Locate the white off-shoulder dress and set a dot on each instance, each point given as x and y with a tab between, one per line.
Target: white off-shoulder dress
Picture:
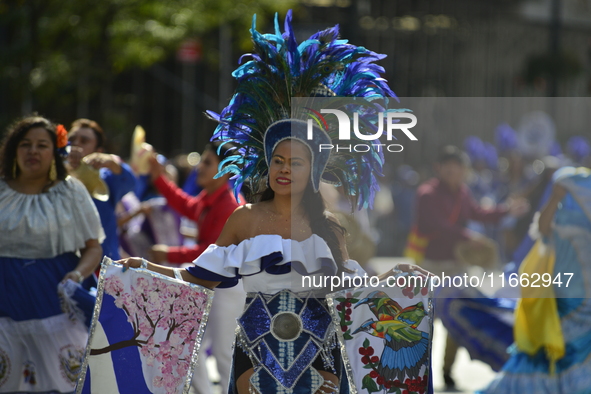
285	332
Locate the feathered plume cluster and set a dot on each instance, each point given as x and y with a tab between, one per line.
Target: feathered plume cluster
280	69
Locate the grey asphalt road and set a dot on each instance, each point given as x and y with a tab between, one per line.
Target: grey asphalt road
470	375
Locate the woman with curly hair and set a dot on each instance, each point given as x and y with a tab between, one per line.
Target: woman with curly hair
50	234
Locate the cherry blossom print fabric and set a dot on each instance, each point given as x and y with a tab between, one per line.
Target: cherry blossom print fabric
145	334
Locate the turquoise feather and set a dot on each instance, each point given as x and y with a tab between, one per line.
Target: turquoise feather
278	69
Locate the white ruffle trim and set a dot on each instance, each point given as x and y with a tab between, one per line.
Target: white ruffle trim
307	257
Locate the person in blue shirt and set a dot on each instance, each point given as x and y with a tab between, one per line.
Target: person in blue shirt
87	144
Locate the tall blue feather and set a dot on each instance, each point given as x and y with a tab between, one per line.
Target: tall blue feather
278	69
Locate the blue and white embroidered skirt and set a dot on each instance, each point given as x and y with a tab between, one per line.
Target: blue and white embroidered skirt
41	348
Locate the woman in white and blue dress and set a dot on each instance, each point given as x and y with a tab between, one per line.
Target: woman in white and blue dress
50	232
286	341
270	245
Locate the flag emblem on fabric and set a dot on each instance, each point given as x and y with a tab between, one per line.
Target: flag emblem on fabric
145	333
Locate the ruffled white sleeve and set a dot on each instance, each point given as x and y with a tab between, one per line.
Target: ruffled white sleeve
269	253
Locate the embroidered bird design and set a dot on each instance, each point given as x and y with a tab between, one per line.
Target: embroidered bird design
406	348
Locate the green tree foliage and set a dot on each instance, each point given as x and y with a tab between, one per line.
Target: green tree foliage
63	50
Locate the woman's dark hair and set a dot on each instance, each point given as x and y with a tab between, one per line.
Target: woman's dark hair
94	126
534	196
321	225
450	153
221	150
15	133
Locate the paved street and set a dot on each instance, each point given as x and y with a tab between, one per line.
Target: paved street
470	375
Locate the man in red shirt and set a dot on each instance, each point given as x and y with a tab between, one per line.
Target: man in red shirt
444	206
210	209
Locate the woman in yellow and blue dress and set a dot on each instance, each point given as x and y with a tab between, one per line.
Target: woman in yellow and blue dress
553	350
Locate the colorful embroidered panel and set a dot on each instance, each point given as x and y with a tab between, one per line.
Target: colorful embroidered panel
385	333
145	333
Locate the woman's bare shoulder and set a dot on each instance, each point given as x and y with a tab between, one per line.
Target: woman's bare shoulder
242	212
253	208
332	217
245	214
249	214
241	224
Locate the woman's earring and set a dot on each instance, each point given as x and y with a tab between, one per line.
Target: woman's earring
14	167
52	171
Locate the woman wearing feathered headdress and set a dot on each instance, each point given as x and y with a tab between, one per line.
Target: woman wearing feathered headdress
286	340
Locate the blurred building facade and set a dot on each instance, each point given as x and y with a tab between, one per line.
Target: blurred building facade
459	48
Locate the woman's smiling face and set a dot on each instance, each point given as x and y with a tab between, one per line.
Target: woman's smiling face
289	170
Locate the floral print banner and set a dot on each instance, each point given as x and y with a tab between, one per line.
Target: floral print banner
386	334
145	334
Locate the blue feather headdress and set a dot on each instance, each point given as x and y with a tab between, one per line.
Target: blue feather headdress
280	69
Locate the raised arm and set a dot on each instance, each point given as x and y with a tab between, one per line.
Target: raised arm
180	201
136	262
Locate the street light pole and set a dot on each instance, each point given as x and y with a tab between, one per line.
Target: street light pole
554	48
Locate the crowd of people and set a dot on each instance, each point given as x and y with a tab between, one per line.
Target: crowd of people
476	210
